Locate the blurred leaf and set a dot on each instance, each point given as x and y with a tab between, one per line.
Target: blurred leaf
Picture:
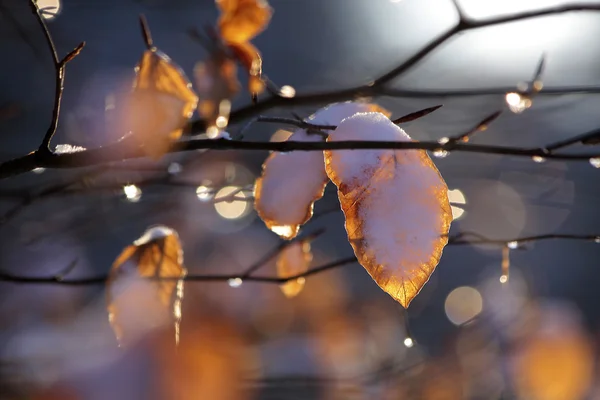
293	260
290	183
217	82
242	20
395	203
137	301
160	105
212	362
555	365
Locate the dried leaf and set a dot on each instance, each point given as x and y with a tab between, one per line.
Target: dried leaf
294	260
290	183
250	57
137	302
216	81
395	203
161	103
242	20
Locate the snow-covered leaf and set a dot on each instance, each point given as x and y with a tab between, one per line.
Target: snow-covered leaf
395	203
67	148
137	301
160	105
291	182
293	260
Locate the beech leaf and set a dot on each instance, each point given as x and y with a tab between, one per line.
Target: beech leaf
290	183
293	260
137	301
161	104
395	203
242	20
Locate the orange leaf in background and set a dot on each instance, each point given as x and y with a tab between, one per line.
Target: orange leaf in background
160	105
395	204
242	20
137	304
290	183
213	362
293	260
217	83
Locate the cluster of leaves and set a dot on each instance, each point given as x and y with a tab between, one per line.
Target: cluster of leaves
395	202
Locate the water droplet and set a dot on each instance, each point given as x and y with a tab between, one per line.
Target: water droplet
408	342
512	245
287	91
132	193
444	140
503	278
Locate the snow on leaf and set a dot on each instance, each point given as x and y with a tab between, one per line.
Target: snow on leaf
136	301
290	183
293	260
160	105
395	204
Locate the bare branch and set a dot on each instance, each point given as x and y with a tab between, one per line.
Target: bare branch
457	240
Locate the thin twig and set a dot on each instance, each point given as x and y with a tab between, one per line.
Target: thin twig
246	277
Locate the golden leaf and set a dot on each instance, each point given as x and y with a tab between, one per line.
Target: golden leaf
395	204
290	183
242	20
250	57
137	301
216	82
293	260
160	105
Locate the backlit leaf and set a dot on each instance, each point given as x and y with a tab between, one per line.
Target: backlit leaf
137	301
395	204
217	83
160	105
242	20
290	183
293	260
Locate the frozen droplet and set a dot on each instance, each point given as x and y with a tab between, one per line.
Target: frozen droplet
440	153
132	193
595	161
512	245
204	193
174	168
444	140
287	91
408	342
38	170
503	278
235	282
538	159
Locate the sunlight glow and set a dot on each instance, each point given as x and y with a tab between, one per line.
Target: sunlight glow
463	304
517	103
283	230
204	193
232	209
235	282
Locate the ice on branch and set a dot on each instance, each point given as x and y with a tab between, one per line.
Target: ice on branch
395	204
291	182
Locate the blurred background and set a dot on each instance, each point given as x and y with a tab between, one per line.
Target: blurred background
466	336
